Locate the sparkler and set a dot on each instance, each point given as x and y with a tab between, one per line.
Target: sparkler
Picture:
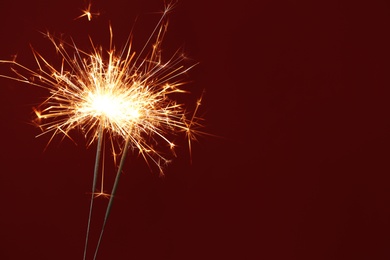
118	94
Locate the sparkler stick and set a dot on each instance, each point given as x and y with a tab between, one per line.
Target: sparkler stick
113	192
95	176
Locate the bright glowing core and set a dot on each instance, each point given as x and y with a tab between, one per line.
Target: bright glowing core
114	107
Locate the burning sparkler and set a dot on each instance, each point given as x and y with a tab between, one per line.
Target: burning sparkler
119	94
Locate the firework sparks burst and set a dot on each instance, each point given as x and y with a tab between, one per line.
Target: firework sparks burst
120	92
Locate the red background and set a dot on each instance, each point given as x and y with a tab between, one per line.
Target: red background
297	92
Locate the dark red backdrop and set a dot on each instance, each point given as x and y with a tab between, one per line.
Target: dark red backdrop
298	93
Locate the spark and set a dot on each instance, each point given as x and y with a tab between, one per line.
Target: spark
87	13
